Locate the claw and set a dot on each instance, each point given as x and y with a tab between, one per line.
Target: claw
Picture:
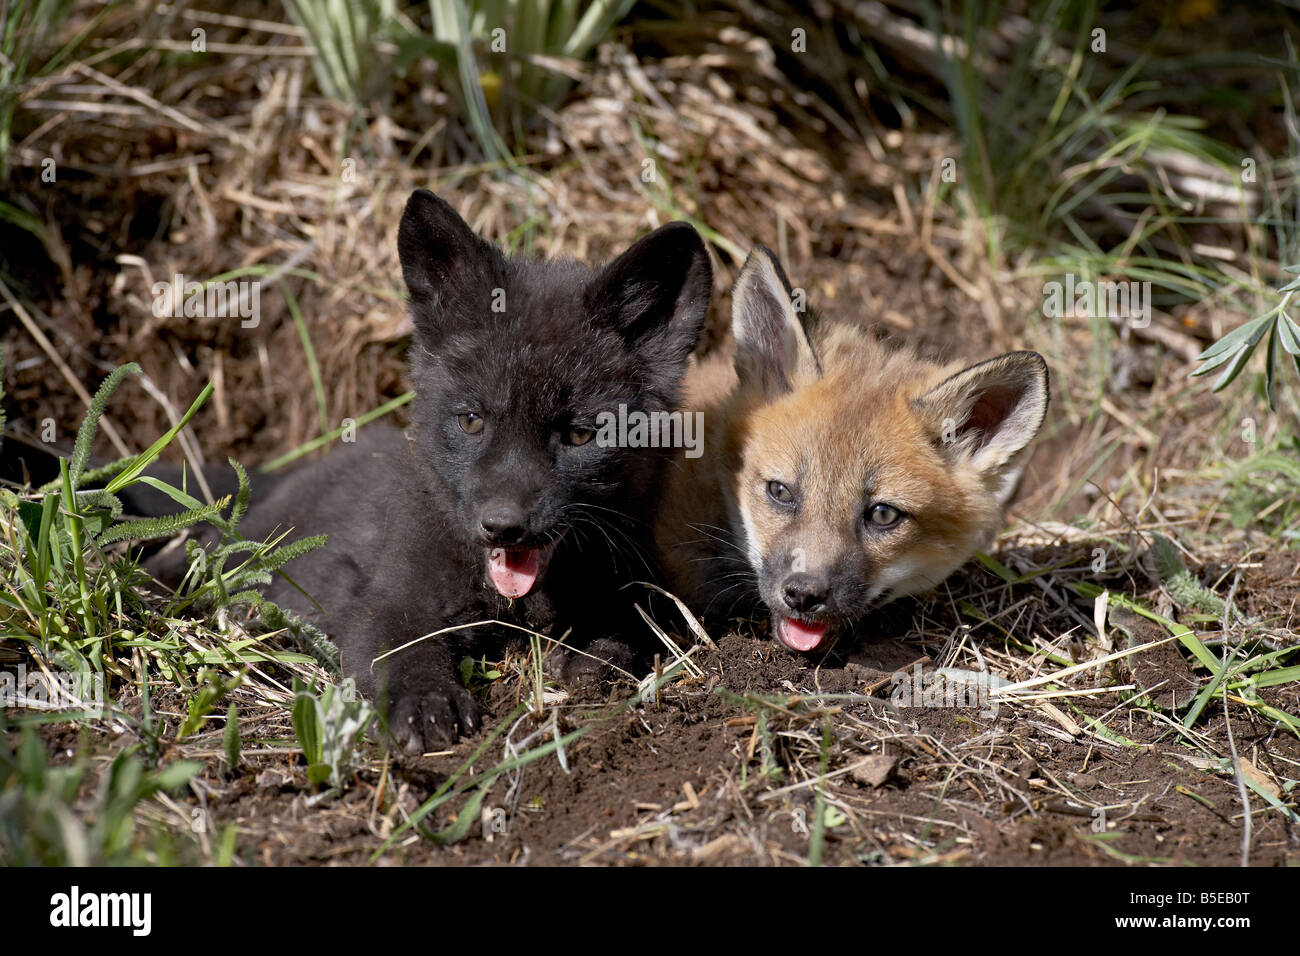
433	719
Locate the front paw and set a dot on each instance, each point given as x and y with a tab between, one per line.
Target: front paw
431	718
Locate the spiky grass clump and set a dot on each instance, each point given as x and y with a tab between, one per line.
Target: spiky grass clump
74	605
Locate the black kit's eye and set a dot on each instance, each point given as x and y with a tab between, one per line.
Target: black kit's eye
470	423
578	435
780	493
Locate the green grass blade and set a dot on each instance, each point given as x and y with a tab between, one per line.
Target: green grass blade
150	454
89	425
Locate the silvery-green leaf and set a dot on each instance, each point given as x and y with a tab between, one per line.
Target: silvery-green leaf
1247	334
1234	369
1288	334
1215	362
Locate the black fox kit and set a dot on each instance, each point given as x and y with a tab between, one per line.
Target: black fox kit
838	474
500	505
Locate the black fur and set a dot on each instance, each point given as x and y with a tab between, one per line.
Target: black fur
407	546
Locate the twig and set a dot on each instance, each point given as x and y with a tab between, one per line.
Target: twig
1241	783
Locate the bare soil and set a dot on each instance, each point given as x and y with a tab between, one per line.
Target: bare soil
723	769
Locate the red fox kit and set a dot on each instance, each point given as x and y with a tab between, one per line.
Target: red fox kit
837	473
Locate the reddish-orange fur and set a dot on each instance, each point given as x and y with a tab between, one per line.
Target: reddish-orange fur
862	430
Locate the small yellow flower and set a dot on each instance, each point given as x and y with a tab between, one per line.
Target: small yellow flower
490	82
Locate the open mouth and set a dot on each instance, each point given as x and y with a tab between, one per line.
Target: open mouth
515	571
801	635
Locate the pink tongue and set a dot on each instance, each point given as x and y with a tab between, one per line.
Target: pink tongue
514	573
799	636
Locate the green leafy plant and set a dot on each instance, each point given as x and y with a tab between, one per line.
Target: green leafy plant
500	57
1269	479
329	726
48	817
72	600
346	62
230	742
528	30
208	582
1243	676
1233	351
478	674
64	597
1061	158
214	688
1186	591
